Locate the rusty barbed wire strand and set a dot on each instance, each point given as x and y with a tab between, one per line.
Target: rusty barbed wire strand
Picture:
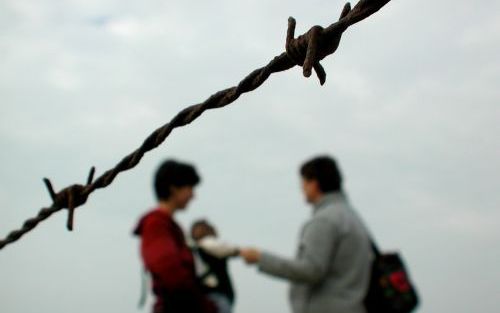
306	51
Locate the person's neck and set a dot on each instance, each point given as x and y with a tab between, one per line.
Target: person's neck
317	198
167	206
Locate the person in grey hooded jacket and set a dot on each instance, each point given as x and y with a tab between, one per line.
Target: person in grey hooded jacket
331	271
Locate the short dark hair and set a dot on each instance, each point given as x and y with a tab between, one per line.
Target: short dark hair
172	173
201	228
324	170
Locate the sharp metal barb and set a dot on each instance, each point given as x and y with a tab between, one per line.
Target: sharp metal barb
91	175
71	213
48	184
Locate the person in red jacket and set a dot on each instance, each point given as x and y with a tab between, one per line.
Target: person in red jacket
164	251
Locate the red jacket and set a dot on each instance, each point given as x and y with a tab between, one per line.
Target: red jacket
167	257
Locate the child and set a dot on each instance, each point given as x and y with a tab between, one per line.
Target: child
211	257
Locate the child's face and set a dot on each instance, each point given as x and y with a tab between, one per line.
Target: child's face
202	230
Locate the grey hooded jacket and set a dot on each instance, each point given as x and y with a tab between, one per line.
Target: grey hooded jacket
331	271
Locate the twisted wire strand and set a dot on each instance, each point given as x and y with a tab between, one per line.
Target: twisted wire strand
306	51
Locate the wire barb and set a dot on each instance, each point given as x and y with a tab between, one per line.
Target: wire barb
91	175
48	184
306	51
70	197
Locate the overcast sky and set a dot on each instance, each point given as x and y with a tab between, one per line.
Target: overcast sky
410	108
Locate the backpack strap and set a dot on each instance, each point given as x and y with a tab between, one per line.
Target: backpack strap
375	249
144	291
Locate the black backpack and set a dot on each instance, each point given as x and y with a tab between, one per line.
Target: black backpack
390	289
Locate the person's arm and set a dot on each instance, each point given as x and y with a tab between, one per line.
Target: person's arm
217	248
313	259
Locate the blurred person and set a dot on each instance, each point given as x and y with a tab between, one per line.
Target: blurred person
332	268
164	251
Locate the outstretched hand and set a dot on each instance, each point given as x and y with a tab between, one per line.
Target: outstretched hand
250	255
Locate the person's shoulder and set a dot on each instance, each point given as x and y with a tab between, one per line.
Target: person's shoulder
333	213
151	218
321	218
331	210
151	213
156	215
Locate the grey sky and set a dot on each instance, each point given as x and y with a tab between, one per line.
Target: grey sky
410	108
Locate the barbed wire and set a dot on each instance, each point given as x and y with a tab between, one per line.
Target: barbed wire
306	51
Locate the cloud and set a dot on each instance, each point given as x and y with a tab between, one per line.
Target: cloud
64	75
473	224
133	29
